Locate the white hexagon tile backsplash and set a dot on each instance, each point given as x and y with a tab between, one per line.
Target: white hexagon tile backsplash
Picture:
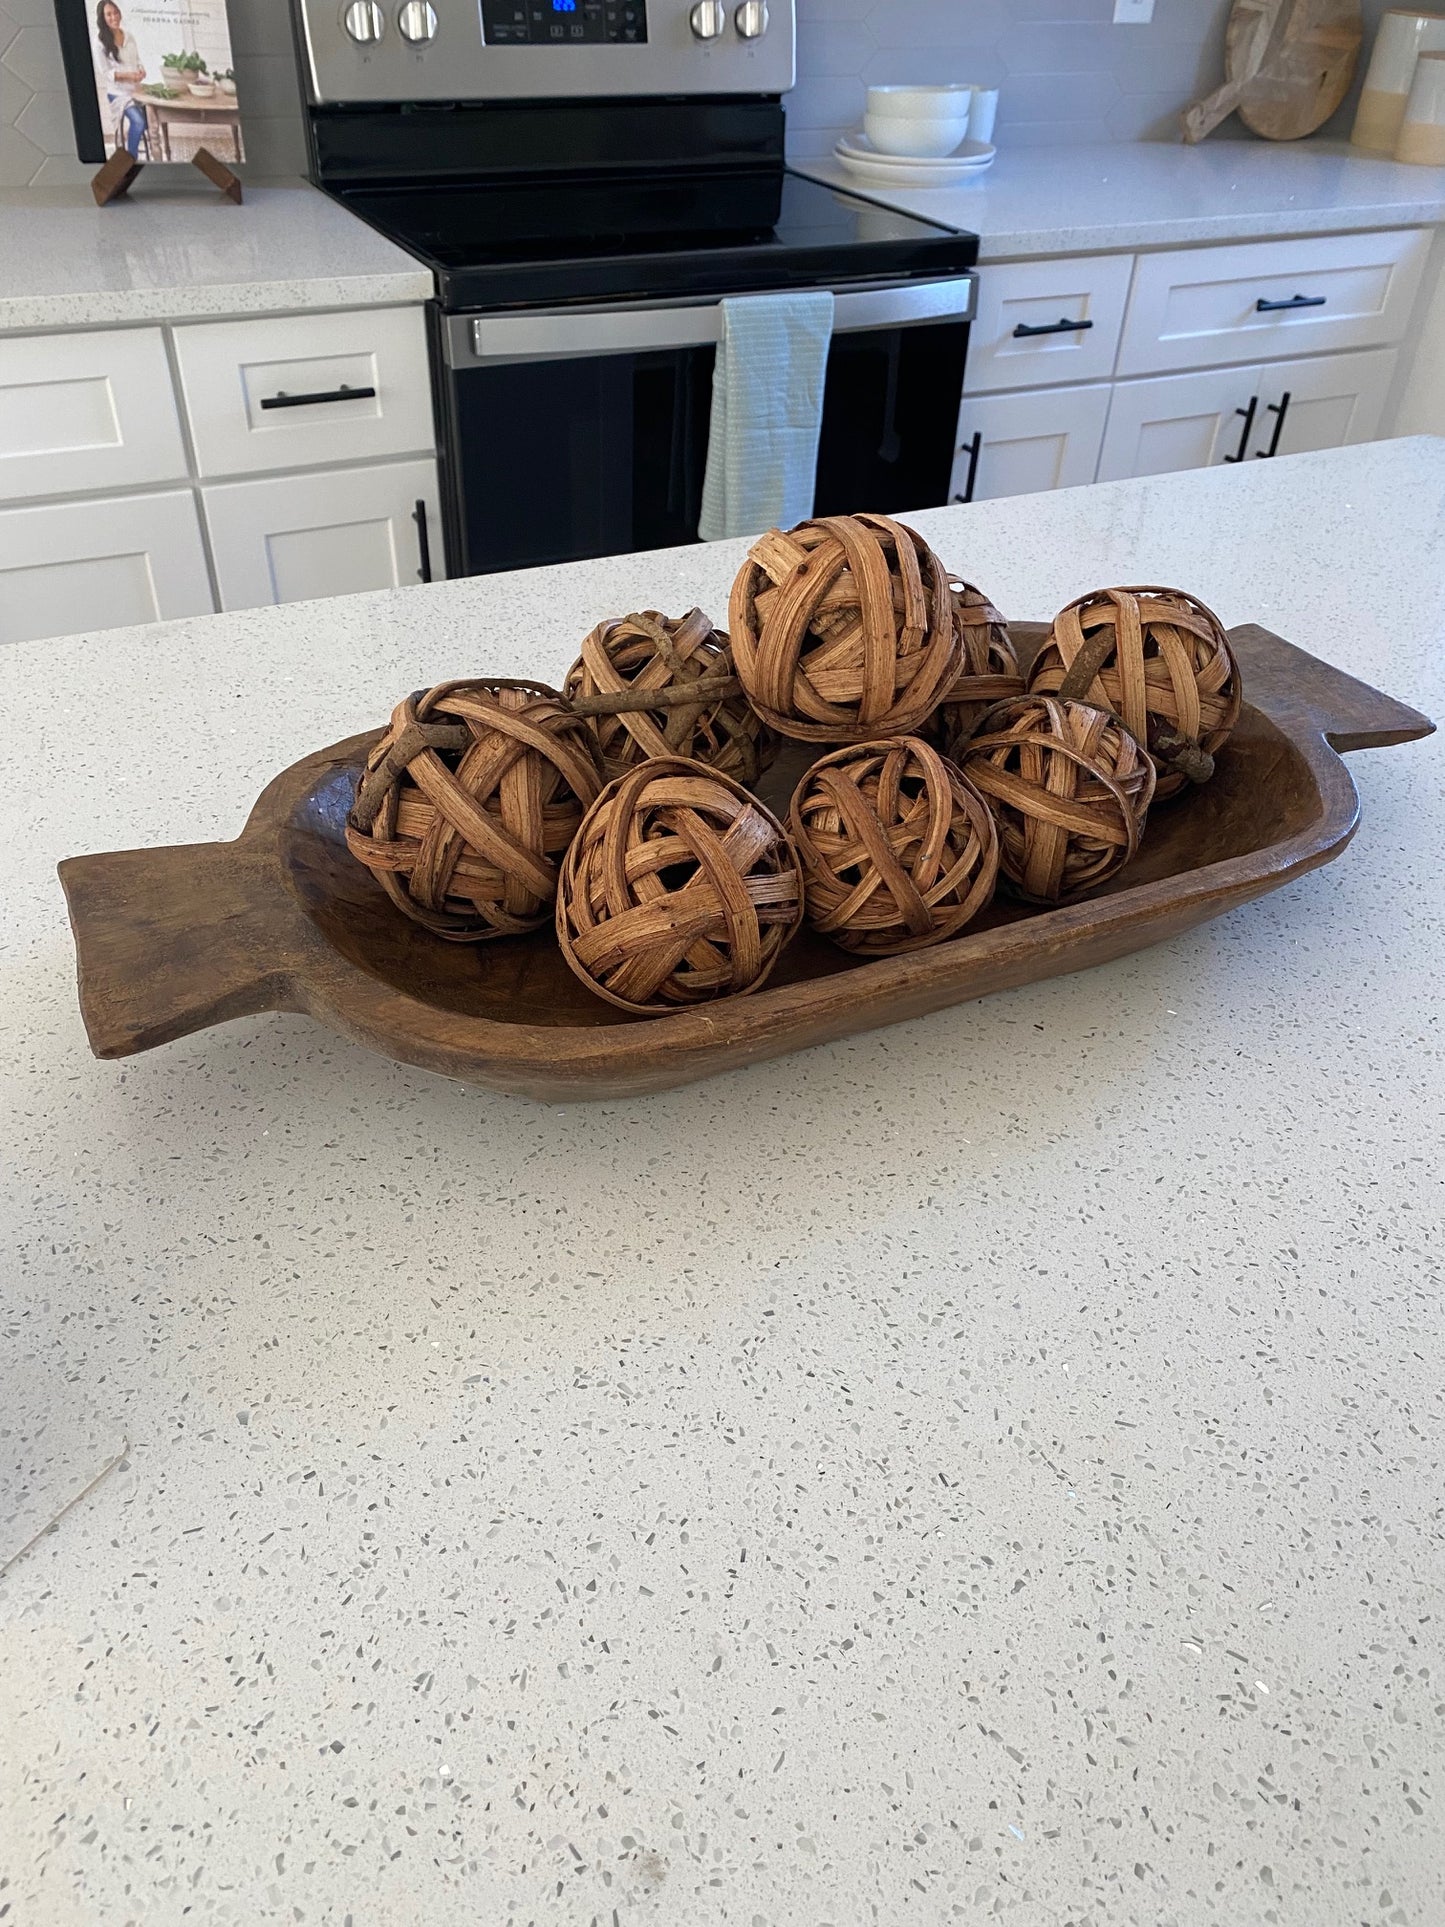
1067	74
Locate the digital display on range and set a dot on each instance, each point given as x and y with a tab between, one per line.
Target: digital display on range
563	23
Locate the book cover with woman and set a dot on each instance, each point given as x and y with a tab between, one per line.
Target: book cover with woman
160	74
119	71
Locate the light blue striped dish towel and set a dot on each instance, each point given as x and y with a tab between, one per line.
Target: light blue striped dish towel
767	409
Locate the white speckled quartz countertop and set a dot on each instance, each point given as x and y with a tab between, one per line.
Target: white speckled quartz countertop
988	1469
1152	194
180	254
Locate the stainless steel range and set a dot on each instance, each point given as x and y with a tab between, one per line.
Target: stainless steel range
587	179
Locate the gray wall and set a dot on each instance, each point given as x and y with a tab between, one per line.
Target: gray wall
1066	72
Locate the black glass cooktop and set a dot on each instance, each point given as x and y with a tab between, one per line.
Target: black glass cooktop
533	242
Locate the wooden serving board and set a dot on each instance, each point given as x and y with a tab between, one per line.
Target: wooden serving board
1287	65
170	941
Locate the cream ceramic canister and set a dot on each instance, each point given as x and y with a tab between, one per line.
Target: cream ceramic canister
1422	136
1402	37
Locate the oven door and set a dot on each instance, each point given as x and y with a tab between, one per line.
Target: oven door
584	432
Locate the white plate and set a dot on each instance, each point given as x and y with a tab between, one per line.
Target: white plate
888	170
858	147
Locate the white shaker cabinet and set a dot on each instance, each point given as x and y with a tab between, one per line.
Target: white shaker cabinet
293	537
1228	414
1200	307
1325	401
93	423
1193	356
1181	421
1023	443
97	564
87	414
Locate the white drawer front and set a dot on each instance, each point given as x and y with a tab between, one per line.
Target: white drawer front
72	566
1035	295
91	411
1200	307
292	537
232	370
1029	442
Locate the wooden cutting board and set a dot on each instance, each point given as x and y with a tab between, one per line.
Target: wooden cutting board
1287	63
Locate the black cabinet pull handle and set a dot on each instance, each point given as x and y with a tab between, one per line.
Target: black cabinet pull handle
423	540
1060	327
1246	431
1279	409
973	448
1295	301
343	393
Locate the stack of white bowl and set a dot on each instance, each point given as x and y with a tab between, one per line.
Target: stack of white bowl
923	136
919	123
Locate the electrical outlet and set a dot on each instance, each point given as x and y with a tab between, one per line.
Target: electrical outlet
1133	13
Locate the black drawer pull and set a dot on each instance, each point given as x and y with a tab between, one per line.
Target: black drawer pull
1246	431
973	448
1279	409
1060	327
423	540
1295	301
343	393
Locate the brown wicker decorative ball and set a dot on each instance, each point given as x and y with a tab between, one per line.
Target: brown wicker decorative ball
842	629
1070	789
655	685
467	802
899	849
988	670
1161	661
679	888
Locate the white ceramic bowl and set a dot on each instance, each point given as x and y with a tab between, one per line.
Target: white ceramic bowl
949	101
921	139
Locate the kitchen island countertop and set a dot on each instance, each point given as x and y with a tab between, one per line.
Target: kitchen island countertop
1121	195
988	1468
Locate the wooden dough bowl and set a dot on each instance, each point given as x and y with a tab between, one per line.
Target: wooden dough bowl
170	941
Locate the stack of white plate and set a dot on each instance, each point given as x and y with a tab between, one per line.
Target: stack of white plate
861	158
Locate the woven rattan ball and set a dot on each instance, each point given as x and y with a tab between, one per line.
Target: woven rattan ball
988	669
655	685
842	629
468	801
1070	789
899	849
679	888
1161	661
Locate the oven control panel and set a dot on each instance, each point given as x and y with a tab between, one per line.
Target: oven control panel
563	23
364	51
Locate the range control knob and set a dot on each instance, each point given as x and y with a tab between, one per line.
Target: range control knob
364	21
751	19
707	19
418	22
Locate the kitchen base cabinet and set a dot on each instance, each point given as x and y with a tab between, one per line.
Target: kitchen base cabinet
72	566
1180	421
1028	441
1333	399
1196	421
295	537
